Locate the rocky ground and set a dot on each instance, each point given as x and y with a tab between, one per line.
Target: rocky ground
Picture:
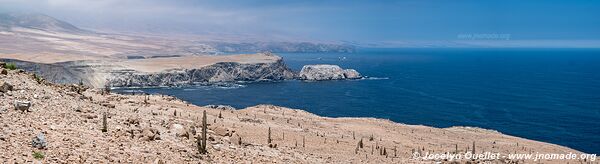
64	124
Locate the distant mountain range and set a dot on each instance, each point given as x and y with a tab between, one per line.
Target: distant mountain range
31	26
35	21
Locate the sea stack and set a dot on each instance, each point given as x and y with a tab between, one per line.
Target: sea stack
322	72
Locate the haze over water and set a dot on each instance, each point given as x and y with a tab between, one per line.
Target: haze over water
550	95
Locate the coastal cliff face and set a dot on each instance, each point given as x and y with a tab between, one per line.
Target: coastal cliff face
188	71
218	72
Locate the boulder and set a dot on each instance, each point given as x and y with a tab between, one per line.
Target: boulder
149	134
326	72
22	105
5	87
222	131
4	72
39	141
180	131
236	139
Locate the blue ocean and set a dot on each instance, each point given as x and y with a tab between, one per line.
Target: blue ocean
550	95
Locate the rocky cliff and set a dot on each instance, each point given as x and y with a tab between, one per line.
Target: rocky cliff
219	72
192	71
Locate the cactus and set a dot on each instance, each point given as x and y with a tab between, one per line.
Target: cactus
473	149
372	149
175	112
104	126
220	116
107	89
455	148
202	140
269	136
354	137
303	139
360	144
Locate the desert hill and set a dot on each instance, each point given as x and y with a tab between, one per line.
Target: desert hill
55	123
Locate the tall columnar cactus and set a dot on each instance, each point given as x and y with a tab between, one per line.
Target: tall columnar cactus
104	126
303	141
269	136
473	149
455	148
202	140
360	143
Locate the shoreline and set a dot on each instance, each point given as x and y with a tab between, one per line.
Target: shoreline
159	128
141	92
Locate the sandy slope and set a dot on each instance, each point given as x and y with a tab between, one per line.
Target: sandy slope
55	46
71	123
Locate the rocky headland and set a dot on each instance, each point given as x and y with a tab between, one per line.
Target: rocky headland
275	70
65	123
178	71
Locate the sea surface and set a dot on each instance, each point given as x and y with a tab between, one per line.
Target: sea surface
550	95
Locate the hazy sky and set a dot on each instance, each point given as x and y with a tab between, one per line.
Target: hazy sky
333	19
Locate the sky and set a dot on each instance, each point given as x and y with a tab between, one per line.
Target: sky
335	20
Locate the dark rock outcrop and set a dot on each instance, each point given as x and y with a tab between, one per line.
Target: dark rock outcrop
5	87
221	107
39	141
22	105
